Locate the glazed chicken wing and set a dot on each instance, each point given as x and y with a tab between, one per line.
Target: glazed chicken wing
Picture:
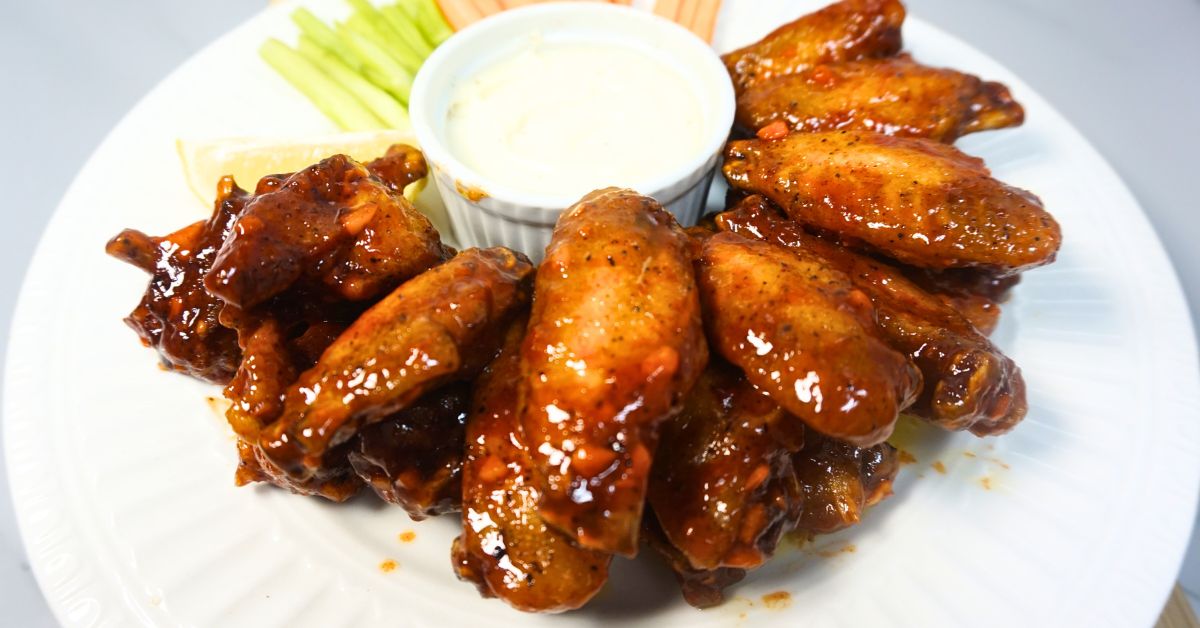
336	228
506	547
893	96
414	458
915	200
803	334
176	315
702	588
723	486
614	343
967	382
843	31
441	326
841	481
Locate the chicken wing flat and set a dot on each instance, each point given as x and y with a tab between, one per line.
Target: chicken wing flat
702	588
723	486
335	228
967	382
614	343
893	96
841	481
176	315
439	327
506	547
804	335
915	200
414	458
843	31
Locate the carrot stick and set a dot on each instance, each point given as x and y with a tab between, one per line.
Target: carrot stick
513	4
668	9
687	14
488	7
706	18
459	13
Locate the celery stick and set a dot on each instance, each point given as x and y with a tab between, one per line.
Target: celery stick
396	79
380	102
382	82
319	31
432	23
407	30
392	31
386	44
334	101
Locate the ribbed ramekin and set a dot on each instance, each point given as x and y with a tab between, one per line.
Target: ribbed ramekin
487	212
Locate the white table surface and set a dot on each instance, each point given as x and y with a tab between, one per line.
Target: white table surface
1127	74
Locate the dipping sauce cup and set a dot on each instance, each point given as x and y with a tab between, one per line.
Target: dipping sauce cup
521	114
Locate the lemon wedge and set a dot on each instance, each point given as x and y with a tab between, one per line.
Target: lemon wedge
249	159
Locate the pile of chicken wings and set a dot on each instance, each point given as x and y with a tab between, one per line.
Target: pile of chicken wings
700	391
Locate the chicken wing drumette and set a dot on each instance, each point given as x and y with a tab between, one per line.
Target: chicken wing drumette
614	343
506	548
841	481
723	487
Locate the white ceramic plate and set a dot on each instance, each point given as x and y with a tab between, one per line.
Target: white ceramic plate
122	474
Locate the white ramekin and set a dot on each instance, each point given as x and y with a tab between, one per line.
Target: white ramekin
485	212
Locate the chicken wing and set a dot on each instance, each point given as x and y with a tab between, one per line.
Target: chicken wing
893	96
414	458
915	200
841	481
974	293
702	588
614	343
176	315
336	228
506	547
272	361
843	31
967	382
441	326
803	334
723	486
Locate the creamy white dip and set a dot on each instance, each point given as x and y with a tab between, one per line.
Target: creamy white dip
564	119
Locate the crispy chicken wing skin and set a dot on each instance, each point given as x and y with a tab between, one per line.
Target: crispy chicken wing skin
893	96
702	588
506	548
414	458
842	31
804	335
334	227
967	382
176	315
723	486
841	481
441	326
614	343
915	200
